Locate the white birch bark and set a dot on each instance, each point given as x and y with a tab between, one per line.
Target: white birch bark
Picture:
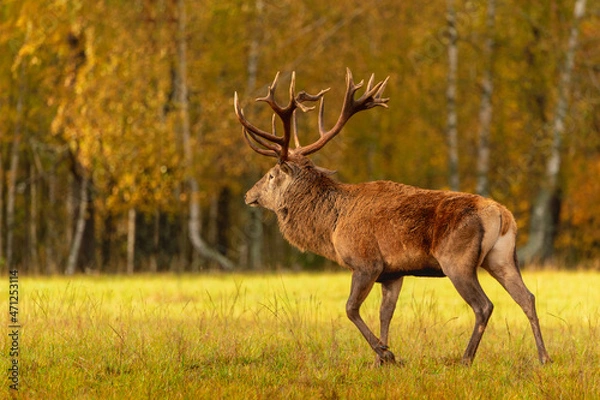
542	226
451	123
33	220
1	212
485	109
255	226
79	228
131	214
12	180
194	221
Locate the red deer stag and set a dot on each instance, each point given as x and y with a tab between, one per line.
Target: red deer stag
383	231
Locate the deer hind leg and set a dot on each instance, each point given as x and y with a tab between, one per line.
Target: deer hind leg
502	264
362	283
390	291
459	256
469	288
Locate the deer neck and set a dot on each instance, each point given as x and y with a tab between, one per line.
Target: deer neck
308	216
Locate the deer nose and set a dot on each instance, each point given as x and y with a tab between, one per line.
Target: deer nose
250	200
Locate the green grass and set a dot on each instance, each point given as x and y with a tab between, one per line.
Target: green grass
287	336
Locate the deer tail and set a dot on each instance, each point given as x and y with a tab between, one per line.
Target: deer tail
507	221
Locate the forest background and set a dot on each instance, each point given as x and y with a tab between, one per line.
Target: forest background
120	150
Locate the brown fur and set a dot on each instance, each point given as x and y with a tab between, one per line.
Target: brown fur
383	231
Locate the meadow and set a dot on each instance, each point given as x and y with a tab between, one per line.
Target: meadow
286	335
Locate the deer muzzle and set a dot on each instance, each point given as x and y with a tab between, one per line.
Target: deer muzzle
251	200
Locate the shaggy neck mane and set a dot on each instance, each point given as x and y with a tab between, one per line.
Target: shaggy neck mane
309	212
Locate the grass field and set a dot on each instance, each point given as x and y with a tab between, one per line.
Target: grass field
286	336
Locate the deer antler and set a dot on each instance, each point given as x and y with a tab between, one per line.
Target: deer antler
371	98
277	146
273	145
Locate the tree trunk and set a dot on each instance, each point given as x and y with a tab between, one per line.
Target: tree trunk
106	244
544	217
34	264
12	180
199	244
254	226
213	216
485	109
79	228
88	256
254	52
256	234
451	124
52	225
70	210
155	241
1	212
131	214
223	221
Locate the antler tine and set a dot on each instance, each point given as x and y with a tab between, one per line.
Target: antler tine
270	150
239	112
292	89
300	99
320	118
370	84
279	144
303	96
282	111
270	96
295	130
273	128
373	94
352	87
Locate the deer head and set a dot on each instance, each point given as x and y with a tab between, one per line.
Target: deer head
268	191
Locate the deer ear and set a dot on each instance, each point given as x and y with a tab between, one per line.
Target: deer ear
325	170
288	168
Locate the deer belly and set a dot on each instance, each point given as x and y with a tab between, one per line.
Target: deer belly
423	272
412	263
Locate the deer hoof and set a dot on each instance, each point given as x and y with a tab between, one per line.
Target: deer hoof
545	360
386	358
467	362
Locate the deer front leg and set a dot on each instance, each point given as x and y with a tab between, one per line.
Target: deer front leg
362	283
390	291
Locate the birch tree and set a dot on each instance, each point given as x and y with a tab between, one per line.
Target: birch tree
34	262
485	108
75	249
131	214
194	221
255	226
13	170
542	226
1	211
451	122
